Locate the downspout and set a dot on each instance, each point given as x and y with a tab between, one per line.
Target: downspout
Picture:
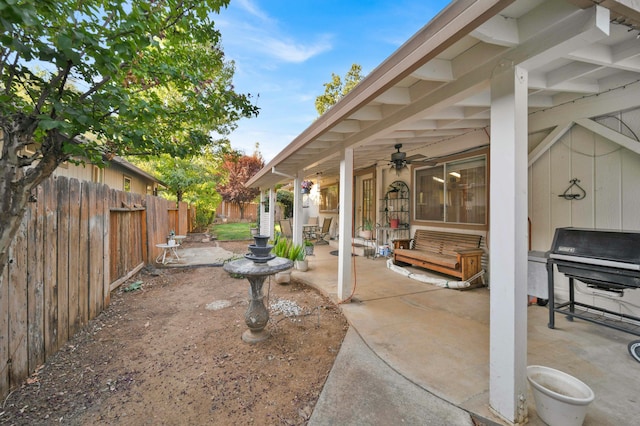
275	172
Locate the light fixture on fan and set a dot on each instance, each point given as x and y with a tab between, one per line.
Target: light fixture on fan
398	159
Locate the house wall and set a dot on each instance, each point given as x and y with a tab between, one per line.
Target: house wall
113	177
608	173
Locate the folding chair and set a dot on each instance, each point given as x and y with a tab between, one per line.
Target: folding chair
326	224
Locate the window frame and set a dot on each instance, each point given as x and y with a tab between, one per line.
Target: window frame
446	165
127	179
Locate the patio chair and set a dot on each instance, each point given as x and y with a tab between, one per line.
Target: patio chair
285	228
326	224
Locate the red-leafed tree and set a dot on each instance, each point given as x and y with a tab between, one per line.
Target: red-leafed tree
239	169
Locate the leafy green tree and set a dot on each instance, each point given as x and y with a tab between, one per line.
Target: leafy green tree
85	80
337	88
239	169
193	179
285	198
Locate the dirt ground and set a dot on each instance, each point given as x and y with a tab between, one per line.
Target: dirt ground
171	353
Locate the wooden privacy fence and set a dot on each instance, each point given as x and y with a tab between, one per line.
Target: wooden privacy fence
77	242
231	211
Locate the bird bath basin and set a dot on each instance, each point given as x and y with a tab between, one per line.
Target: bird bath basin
256	266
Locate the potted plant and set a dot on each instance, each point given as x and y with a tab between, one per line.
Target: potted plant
254	229
367	229
299	257
308	247
282	248
306	186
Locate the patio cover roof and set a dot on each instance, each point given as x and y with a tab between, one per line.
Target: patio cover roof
433	94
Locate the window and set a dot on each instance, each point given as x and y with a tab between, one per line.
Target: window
127	184
97	174
454	192
329	198
368	205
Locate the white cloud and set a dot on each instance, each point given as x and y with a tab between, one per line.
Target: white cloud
289	50
252	8
253	30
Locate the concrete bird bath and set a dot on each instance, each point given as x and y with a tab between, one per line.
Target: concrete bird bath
257	266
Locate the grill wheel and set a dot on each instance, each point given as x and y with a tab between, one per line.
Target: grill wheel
634	349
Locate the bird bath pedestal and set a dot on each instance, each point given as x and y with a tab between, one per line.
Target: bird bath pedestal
257	266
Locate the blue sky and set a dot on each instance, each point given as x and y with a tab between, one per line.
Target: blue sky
284	51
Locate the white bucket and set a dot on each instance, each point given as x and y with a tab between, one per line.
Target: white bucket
561	399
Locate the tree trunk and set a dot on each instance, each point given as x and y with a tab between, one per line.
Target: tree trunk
17	180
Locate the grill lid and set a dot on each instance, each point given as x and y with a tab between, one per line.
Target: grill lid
604	245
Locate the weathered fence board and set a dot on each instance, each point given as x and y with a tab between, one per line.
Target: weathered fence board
75	319
35	282
18	356
83	258
63	259
50	268
4	326
76	240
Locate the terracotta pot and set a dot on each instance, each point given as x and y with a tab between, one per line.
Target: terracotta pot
394	223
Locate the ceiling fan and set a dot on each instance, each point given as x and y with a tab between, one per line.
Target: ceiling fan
398	159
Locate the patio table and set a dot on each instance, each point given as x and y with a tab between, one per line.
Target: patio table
169	253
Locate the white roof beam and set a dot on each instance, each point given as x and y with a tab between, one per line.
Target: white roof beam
477	112
603	55
586	26
612	135
435	70
346	126
589	106
437	133
548	141
395	96
462	124
330	137
449	113
482	99
402	134
500	30
540	100
542	17
626	50
570	72
367	113
421	125
580	29
507	31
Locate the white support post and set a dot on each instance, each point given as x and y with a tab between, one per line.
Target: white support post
345	285
297	211
261	212
508	244
272	213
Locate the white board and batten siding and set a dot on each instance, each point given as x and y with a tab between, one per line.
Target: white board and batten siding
610	176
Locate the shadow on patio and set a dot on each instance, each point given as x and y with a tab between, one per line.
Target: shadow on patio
439	339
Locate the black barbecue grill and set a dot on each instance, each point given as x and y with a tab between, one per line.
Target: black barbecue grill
604	260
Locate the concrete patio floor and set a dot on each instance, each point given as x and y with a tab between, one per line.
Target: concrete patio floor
438	340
